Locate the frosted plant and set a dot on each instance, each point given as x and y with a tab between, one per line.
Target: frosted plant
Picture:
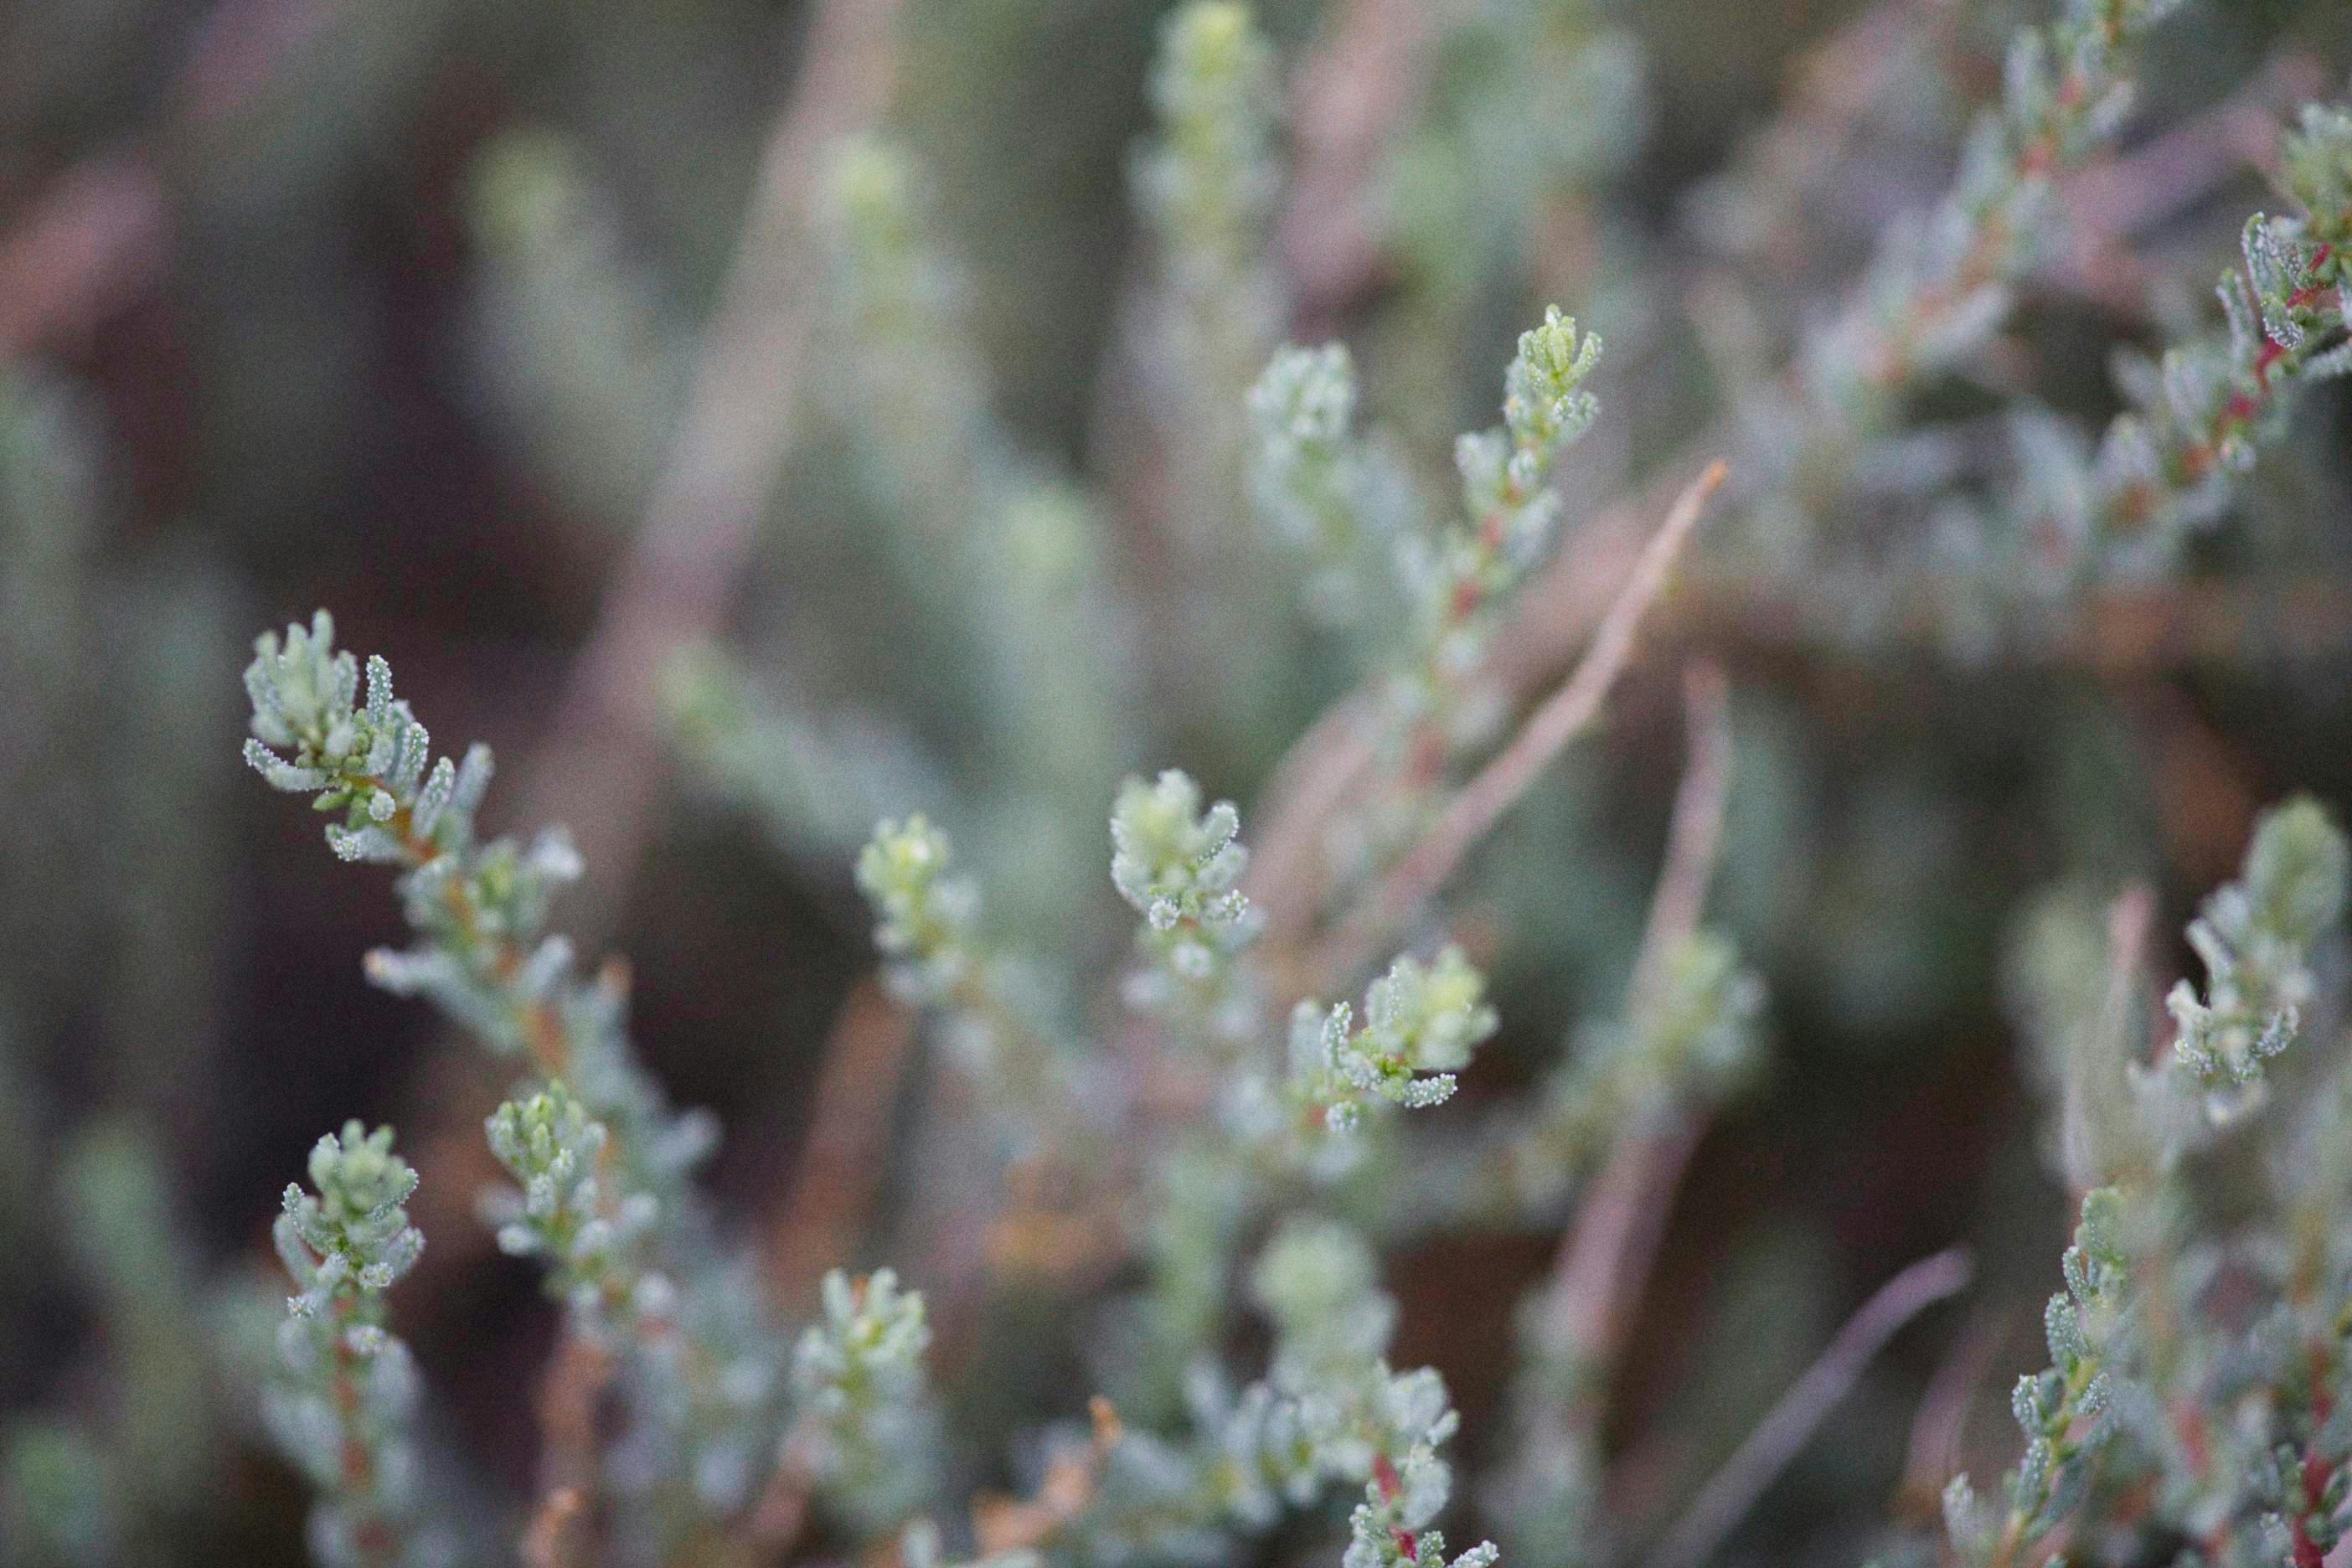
996	549
1329	1412
1479	186
1176	864
699	1363
1209	184
1205	184
1319	1284
1000	549
1940	286
1339	501
2065	1410
1456	585
2197	1354
1282	1122
342	1402
1000	1019
584	365
918	399
2199	415
866	1427
1421	1022
1824	447
565	1209
813	780
2198	1370
1361	1422
924	912
1178	867
2255	939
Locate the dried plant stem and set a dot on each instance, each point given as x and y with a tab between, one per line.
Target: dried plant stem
553	1539
1563	716
843	1159
1605	1259
1695	832
1354	95
1732	1490
570	1390
730	449
1319	775
1932	1456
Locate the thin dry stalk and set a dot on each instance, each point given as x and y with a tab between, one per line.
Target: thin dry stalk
1732	1490
571	1393
1563	716
1933	1453
555	1537
1321	771
841	1162
1605	1260
1695	832
781	1513
729	450
1354	94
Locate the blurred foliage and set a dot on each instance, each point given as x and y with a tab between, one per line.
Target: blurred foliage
397	308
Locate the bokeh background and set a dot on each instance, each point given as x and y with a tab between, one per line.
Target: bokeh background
398	308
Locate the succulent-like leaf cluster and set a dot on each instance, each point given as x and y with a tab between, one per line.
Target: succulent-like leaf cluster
1340	502
1421	1024
866	1427
1174	863
2198	1354
342	1403
924	912
604	1163
1180	865
1209	183
999	548
365	759
2255	937
563	1208
1330	1412
2200	1377
1456	583
1000	1021
1939	290
2065	1411
2171	465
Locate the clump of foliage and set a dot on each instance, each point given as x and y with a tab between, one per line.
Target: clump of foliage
1207	1086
